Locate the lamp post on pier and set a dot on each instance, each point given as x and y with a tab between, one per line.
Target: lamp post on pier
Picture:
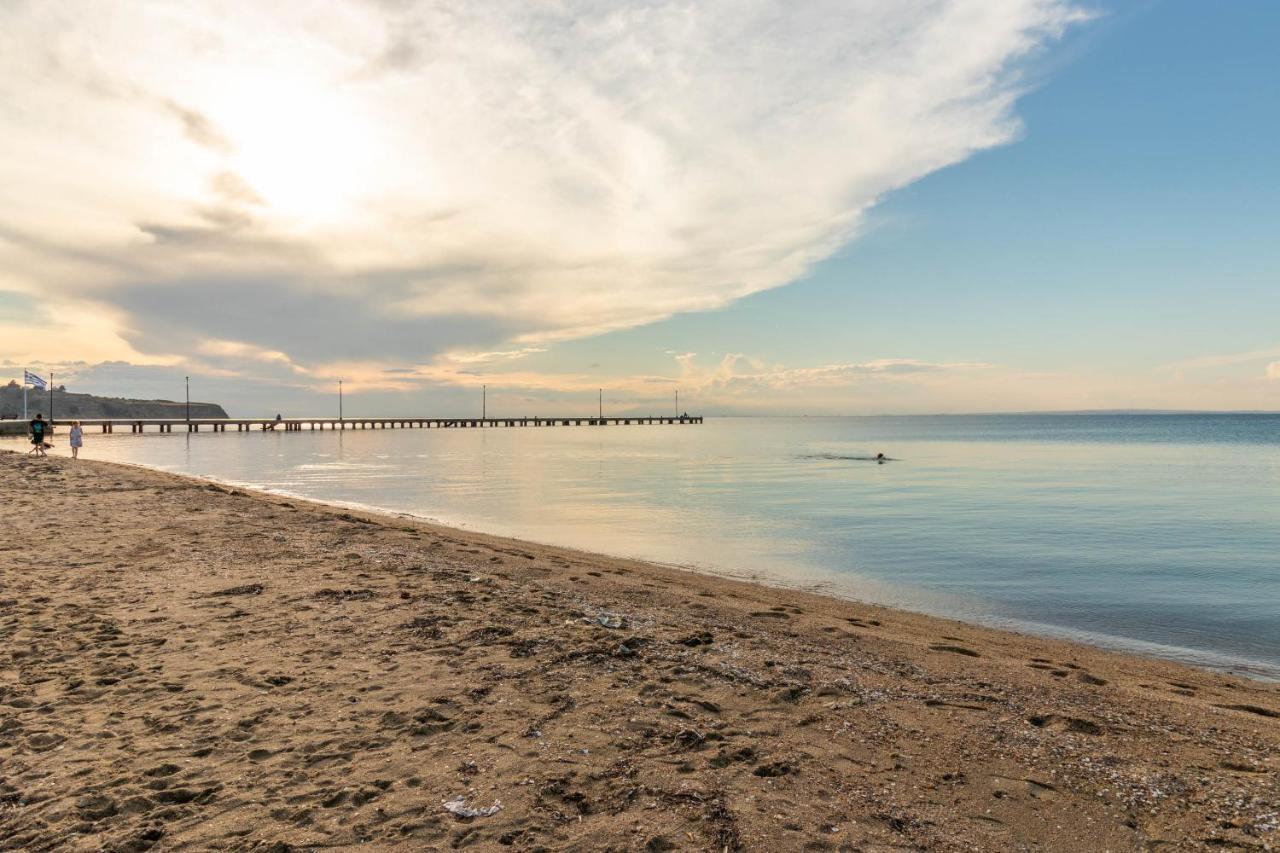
484	402
188	403
339	402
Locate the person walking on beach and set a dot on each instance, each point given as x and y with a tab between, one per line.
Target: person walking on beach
77	439
38	428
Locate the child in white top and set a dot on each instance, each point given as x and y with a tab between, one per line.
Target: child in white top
77	440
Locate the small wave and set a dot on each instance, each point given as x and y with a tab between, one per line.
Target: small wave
841	457
343	466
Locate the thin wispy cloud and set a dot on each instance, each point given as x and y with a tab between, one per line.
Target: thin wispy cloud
737	373
394	183
1223	360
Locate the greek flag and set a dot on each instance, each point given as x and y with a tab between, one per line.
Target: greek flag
29	378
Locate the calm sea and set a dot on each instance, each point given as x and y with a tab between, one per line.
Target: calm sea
1153	533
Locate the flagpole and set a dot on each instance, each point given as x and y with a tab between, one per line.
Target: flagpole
50	399
24	393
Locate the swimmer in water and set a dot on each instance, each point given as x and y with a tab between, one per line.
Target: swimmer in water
881	458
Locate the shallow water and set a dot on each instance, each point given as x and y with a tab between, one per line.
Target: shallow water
1153	533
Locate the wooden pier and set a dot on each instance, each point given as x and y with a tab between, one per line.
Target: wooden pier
135	425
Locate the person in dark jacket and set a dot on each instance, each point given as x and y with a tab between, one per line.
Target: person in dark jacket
39	429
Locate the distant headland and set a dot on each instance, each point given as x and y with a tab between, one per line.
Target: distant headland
70	406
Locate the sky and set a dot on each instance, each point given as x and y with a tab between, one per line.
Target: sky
836	207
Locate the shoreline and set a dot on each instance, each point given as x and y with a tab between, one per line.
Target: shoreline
316	674
831	584
1200	659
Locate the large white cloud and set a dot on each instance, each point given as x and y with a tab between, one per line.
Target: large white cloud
483	172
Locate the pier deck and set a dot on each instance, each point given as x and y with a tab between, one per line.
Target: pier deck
138	425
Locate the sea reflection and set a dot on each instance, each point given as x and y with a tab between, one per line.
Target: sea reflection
1138	532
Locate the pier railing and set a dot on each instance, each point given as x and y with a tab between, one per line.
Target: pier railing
138	425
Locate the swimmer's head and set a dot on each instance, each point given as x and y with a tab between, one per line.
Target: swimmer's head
880	456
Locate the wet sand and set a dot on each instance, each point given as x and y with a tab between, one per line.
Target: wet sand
186	666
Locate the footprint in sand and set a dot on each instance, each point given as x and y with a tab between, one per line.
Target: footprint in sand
161	770
744	755
1241	767
246	589
1004	786
44	741
344	594
701	638
956	650
942	703
1251	709
1059	723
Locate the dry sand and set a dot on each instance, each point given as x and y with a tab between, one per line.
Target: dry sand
187	666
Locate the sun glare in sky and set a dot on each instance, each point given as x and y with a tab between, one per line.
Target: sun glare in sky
302	147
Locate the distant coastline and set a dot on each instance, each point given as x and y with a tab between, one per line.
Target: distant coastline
72	406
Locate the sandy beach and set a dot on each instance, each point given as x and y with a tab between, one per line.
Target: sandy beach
188	666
